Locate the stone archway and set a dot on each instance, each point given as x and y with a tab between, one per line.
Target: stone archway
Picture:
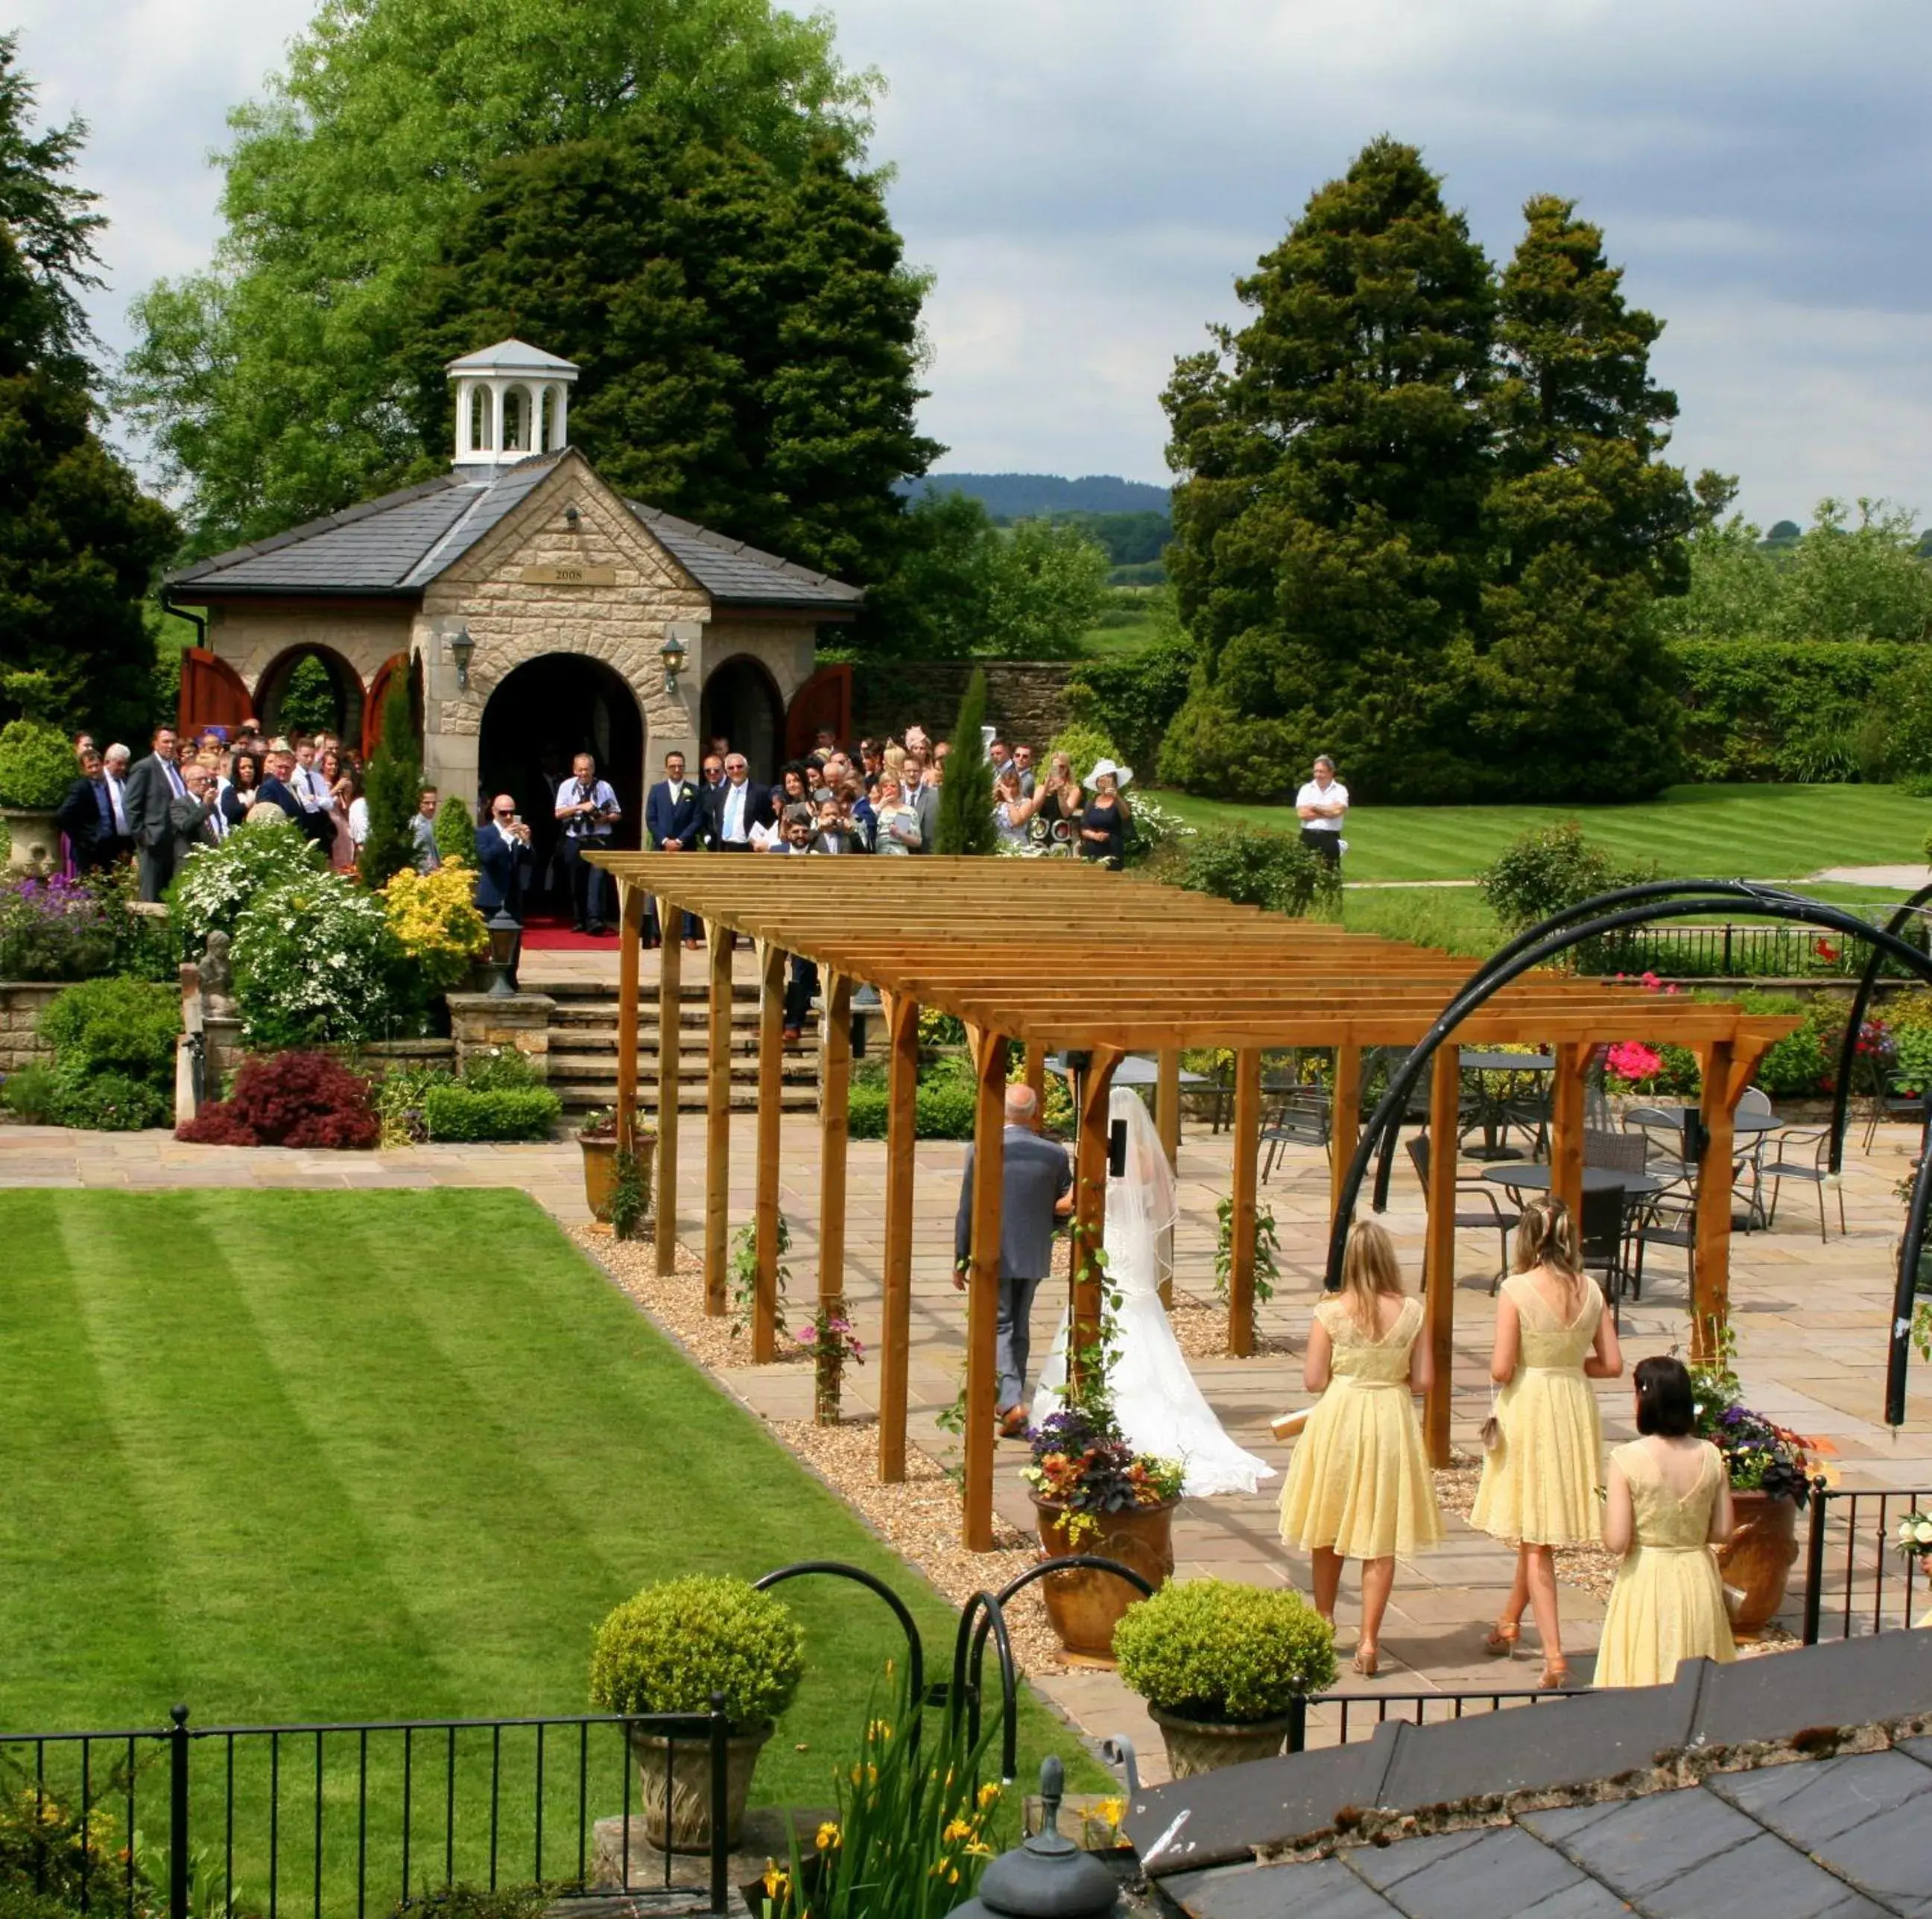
741	701
540	717
345	684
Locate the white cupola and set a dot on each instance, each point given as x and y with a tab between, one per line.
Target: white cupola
512	403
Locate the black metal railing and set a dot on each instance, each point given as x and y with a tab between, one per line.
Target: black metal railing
338	1818
1355	1715
1732	951
1856	1581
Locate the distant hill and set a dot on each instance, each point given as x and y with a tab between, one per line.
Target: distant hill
1017	496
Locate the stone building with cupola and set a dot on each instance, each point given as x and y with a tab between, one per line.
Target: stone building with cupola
535	612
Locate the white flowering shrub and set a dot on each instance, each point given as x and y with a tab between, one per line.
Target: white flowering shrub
216	883
313	960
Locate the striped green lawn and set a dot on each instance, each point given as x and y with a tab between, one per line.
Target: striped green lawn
333	1456
1756	832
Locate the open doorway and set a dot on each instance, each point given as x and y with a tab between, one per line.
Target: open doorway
537	720
741	702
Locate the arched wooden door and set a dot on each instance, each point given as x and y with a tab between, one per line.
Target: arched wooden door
378	692
212	693
825	699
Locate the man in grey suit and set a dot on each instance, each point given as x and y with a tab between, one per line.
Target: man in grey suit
1037	1193
153	787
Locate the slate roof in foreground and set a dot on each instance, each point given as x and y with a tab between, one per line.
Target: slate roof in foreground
395	546
1839	1835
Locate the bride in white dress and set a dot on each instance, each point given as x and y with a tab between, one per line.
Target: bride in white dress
1159	1408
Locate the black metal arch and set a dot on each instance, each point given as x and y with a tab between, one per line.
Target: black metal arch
837	1568
1848	1052
1608	912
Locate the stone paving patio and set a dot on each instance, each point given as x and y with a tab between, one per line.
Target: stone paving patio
1811	1319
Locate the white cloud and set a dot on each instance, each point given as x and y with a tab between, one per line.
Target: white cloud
1087	177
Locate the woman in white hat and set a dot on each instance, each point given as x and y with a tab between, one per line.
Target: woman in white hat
1103	826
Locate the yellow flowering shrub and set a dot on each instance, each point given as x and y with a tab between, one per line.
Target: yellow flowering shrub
434	919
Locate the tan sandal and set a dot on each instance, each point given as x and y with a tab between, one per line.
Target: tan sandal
1367	1660
1555	1676
1502	1643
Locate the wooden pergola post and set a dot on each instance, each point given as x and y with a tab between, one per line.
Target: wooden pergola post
771	1060
1089	1210
671	1060
1711	1274
630	933
834	1124
982	1284
1566	1129
1035	1069
1438	1263
1246	1183
717	1119
901	1127
1344	1121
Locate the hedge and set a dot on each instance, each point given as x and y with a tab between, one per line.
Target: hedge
1779	709
464	1113
945	1110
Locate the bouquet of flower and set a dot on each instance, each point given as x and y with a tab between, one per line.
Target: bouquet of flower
1914	1536
1080	1462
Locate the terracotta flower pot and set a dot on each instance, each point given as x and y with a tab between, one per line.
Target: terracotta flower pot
1757	1558
600	1170
1201	1746
1085	1605
689	1828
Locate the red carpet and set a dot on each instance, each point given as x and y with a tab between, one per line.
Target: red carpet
549	933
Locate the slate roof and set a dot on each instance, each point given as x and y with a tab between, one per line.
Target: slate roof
393	546
1842	1836
511	356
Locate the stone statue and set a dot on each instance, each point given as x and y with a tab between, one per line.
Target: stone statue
217	978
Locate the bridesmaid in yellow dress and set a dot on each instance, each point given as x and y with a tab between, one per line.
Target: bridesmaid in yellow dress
1670	1503
1539	1487
1359	1486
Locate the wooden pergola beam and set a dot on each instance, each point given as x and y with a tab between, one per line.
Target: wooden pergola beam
983	1284
895	1277
670	1063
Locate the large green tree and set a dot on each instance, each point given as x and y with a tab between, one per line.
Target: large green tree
1573	698
79	540
273	384
747	334
1329	522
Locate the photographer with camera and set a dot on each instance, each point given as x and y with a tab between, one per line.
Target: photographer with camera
586	809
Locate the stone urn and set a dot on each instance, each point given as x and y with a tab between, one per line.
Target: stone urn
1085	1605
600	1168
33	838
1201	1746
1757	1558
674	1780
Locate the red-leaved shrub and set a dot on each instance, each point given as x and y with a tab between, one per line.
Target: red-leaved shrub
289	1099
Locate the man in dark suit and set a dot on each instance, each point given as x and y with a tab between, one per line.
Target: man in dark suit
732	810
275	789
503	863
1037	1193
674	817
86	815
195	819
153	785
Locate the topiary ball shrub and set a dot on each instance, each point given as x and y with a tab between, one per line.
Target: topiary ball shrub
37	765
673	1645
290	1099
1226	1653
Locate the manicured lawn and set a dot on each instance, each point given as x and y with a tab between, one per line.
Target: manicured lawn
1756	832
333	1456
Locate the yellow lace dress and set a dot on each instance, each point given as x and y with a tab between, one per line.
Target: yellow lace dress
1540	1487
1668	1603
1359	1482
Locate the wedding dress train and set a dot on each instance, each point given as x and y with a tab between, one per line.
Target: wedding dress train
1159	1408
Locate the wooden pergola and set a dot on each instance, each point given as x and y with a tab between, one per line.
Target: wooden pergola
1060	955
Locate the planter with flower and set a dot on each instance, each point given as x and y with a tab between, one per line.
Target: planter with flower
833	1344
1769	1467
1092	1492
1220	1665
1913	1540
668	1650
597	1138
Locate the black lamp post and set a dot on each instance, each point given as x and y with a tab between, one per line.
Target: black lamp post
505	931
1048	1877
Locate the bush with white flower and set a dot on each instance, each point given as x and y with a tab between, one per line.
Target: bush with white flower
216	883
314	958
1914	1536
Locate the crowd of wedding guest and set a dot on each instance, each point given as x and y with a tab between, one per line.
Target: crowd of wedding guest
191	790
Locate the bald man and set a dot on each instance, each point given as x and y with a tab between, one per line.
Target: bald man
503	861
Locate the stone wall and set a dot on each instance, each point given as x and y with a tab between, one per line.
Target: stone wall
22	1003
1025	699
483	1023
251	638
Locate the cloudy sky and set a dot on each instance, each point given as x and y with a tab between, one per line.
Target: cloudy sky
1086	177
